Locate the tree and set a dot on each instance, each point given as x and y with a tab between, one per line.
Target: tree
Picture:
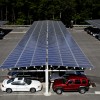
27	11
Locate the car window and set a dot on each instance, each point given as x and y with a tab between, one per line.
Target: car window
77	82
15	83
18	83
20	78
10	80
28	81
70	82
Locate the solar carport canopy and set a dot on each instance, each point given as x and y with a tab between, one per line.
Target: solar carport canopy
47	42
94	22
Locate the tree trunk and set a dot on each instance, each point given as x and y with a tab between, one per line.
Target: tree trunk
1	14
13	15
6	13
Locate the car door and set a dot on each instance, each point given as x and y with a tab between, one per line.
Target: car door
19	86
70	85
22	86
14	86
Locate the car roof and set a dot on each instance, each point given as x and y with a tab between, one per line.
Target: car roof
77	77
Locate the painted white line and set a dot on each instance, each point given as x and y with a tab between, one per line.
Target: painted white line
97	92
19	94
35	94
19	32
11	38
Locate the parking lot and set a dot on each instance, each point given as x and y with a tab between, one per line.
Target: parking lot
89	45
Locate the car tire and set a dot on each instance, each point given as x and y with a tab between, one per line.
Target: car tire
8	90
59	91
32	90
82	90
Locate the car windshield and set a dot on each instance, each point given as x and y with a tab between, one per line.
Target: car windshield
28	81
10	80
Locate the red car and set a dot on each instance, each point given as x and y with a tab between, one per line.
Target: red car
71	83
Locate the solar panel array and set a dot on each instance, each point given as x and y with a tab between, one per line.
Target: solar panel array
47	42
94	22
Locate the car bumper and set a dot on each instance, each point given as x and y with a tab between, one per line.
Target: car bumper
3	89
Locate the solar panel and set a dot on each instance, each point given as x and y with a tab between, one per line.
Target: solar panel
24	52
66	51
94	22
47	41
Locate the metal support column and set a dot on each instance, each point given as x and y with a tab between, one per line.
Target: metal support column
47	93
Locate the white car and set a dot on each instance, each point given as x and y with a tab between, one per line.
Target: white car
21	84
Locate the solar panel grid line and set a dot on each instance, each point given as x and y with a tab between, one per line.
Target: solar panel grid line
26	45
81	51
77	56
61	47
40	54
53	54
36	45
31	45
57	44
68	46
46	34
21	41
47	46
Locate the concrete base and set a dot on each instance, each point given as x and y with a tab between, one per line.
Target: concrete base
47	94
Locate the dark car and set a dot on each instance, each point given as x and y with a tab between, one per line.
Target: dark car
88	29
30	75
93	31
71	83
4	32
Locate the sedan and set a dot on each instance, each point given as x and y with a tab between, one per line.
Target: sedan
21	84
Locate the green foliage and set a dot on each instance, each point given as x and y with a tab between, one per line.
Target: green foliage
27	11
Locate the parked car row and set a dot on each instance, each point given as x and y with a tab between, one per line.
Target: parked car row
93	31
68	82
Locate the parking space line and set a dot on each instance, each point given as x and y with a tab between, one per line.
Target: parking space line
97	92
64	94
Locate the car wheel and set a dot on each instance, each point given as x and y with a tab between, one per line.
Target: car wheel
32	90
8	90
59	91
82	90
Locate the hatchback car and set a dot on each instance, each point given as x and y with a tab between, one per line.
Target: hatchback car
21	84
71	83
